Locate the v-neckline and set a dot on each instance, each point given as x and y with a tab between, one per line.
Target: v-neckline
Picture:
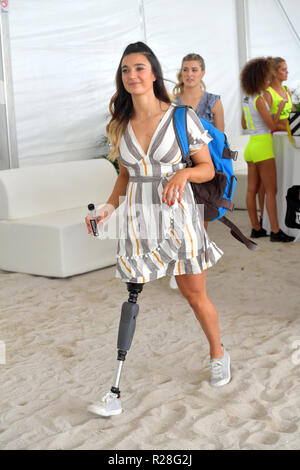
153	135
280	94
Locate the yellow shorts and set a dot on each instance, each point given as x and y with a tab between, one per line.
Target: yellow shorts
259	148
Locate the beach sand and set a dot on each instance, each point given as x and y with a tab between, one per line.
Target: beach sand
60	337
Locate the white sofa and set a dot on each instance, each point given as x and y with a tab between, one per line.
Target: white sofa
42	210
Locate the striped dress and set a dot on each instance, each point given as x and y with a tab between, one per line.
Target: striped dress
156	240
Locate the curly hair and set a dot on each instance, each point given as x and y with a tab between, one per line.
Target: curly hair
255	74
178	89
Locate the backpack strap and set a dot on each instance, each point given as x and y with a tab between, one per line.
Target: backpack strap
227	152
180	128
237	233
227	204
230	154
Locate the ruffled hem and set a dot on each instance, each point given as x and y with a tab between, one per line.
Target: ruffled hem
146	268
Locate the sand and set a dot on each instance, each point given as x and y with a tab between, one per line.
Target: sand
60	338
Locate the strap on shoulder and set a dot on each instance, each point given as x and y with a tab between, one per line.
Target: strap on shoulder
179	122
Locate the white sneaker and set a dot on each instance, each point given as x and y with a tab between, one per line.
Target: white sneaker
220	370
173	283
109	405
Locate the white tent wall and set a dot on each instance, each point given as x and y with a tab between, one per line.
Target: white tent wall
65	55
272	35
173	31
64	58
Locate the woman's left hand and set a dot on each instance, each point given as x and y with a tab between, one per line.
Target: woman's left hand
175	186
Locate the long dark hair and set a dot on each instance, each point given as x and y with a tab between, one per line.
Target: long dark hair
121	106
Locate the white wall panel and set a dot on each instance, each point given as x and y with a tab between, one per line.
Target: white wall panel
175	28
64	57
271	35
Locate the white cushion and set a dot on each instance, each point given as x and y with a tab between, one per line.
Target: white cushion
42	210
55	244
30	191
239	143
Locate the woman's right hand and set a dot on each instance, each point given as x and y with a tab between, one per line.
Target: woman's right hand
281	105
102	214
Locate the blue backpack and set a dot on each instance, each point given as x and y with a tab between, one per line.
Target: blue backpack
216	195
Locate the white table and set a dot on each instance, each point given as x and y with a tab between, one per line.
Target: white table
288	174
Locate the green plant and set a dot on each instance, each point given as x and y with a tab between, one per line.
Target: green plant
295	94
105	149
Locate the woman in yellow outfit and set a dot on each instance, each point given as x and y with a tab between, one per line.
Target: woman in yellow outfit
256	117
277	92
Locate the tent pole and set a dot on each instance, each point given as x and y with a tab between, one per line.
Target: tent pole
242	17
243	37
142	20
8	135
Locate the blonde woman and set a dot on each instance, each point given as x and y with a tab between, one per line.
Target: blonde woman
155	241
191	90
277	93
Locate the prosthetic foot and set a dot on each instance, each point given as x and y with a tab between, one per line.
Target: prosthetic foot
111	402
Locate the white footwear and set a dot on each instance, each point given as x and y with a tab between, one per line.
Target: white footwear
220	370
173	283
109	405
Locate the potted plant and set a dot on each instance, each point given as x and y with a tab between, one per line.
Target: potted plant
105	151
295	94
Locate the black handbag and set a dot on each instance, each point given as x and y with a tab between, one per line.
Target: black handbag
292	217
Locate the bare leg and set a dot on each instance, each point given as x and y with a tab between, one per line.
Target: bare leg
193	288
261	199
267	173
253	185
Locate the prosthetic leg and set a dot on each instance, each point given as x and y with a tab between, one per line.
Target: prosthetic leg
129	313
111	403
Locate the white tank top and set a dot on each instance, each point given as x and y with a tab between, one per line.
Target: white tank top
254	122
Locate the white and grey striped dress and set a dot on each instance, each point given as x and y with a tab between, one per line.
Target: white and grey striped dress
156	240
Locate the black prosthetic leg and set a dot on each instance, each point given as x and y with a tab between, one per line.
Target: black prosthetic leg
129	313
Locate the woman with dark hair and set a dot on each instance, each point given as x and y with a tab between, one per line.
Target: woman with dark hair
256	118
190	90
163	232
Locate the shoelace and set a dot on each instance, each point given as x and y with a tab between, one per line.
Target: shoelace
217	369
108	397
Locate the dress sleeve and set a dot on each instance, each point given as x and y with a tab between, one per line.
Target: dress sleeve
197	136
213	99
